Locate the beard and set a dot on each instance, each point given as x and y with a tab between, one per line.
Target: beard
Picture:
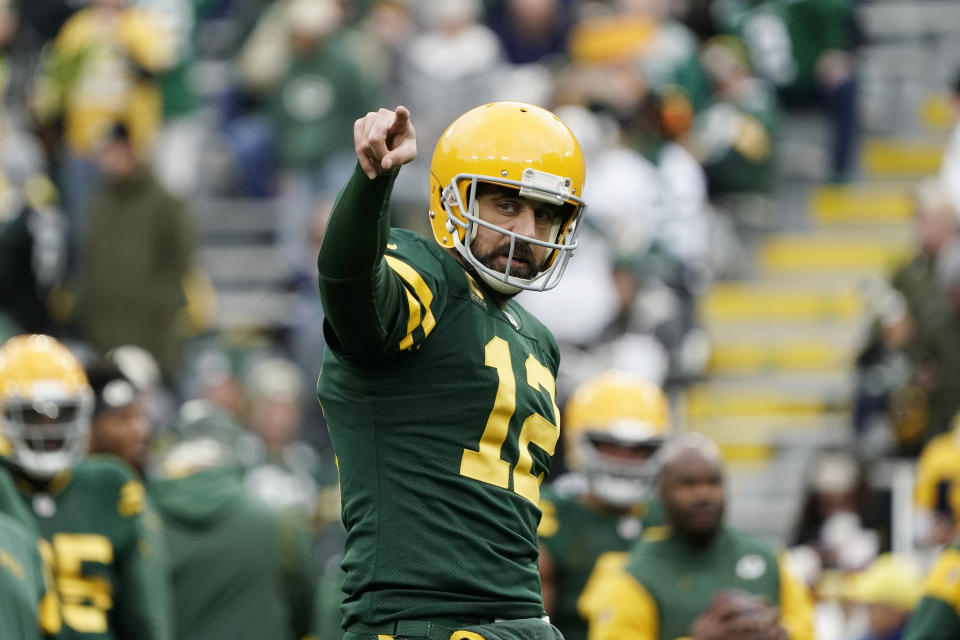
521	252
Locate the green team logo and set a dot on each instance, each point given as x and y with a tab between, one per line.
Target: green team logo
751	567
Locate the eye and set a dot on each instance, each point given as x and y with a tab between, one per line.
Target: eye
508	205
545	215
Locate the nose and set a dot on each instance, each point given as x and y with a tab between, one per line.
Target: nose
525	222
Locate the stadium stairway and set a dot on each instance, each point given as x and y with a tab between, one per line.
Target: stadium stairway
784	341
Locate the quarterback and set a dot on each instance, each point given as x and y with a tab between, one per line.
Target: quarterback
438	388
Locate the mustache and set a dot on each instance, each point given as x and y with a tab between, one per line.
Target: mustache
521	251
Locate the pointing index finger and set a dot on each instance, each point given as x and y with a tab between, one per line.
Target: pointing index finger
401	121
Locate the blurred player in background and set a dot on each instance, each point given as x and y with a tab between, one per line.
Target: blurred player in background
119	426
699	579
108	565
613	426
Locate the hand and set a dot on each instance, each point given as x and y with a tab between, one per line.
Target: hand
384	141
733	614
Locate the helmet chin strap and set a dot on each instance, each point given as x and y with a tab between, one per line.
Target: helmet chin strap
498	285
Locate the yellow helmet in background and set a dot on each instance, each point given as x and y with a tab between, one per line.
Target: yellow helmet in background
517	145
45	405
627	413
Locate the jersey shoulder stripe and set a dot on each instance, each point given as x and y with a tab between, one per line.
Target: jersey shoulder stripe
418	294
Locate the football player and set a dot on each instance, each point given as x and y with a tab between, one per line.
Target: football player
613	426
107	565
438	388
119	426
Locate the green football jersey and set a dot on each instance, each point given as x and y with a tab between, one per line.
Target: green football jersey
22	582
108	556
683	578
442	439
580	541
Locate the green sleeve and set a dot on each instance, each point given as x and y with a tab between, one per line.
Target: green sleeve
933	619
297	568
361	295
143	607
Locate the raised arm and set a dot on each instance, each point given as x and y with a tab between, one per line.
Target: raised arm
361	295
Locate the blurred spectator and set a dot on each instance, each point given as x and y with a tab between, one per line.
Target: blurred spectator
533	30
735	135
379	42
731	585
101	70
137	253
138	366
950	166
937	617
32	247
32	229
934	226
8	29
833	514
925	407
119	426
937	489
642	33
452	64
285	474
215	370
884	368
239	570
803	49
890	588
176	154
315	92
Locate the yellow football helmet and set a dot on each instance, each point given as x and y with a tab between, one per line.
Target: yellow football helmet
518	145
45	405
619	409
